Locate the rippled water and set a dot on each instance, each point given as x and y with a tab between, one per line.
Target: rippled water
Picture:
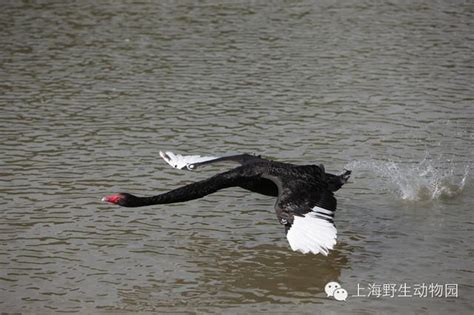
90	92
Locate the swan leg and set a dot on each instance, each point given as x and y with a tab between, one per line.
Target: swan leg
284	217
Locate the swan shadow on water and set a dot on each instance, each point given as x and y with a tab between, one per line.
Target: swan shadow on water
237	274
271	273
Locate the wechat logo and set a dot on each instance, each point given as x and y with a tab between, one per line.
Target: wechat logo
335	289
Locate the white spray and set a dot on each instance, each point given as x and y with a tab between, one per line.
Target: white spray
426	180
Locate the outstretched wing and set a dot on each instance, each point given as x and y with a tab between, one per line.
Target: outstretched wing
307	210
191	162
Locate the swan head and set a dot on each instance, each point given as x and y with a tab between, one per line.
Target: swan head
121	199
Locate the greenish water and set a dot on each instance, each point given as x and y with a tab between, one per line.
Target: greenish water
90	92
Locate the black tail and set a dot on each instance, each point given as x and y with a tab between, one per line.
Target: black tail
336	181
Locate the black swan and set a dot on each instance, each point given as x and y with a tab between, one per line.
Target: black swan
305	201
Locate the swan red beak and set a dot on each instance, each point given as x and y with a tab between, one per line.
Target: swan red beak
112	199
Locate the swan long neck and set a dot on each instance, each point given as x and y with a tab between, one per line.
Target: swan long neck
192	191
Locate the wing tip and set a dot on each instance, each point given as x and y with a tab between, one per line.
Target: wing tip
172	159
184	162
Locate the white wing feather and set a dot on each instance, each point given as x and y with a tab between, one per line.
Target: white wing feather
311	233
184	161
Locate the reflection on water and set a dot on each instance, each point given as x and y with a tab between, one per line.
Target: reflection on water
90	93
261	274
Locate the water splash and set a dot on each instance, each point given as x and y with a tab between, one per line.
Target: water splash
427	180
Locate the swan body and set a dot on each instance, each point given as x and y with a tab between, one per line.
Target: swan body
305	203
